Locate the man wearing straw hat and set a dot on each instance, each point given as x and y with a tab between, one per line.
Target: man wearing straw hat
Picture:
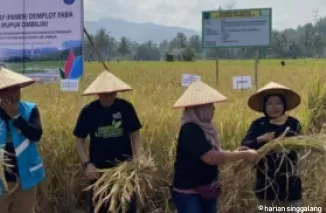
278	183
196	185
113	126
20	129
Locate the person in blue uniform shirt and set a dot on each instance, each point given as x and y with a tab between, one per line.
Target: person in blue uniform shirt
20	130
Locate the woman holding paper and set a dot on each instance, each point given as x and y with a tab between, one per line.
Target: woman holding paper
277	182
195	186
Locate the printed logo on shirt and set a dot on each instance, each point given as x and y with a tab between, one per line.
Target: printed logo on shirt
110	131
117	115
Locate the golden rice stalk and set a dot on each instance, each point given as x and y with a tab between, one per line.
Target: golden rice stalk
117	185
303	145
241	174
3	164
315	143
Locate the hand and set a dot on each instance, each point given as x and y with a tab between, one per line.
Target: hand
91	172
251	155
283	135
266	137
9	107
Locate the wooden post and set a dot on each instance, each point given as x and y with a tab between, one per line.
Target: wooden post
217	66
256	68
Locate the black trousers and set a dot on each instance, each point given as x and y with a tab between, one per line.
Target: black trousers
104	208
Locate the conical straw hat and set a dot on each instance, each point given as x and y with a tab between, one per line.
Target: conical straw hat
199	93
106	82
10	78
292	99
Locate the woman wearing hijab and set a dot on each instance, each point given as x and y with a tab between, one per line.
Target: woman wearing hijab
277	184
195	186
20	131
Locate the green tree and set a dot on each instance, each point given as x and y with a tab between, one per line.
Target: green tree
124	47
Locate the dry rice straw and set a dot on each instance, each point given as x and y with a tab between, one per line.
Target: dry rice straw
4	165
2	168
310	149
120	183
315	143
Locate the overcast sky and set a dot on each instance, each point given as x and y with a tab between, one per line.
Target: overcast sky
187	13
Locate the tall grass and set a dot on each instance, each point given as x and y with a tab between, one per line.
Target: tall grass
156	87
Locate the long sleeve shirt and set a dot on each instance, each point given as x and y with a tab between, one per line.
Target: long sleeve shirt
275	178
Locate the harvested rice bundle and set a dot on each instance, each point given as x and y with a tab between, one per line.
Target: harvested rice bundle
316	143
238	179
240	176
117	185
311	156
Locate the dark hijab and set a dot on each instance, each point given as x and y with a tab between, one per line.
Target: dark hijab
282	98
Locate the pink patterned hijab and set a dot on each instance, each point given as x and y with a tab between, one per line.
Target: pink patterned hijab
203	116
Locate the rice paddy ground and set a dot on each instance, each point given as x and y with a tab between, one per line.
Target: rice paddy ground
157	85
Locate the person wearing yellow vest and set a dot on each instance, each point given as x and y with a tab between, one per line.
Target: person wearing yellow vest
20	129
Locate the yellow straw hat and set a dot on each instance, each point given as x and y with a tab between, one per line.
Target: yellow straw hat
106	82
199	93
292	98
9	78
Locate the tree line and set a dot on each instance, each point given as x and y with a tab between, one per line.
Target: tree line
307	41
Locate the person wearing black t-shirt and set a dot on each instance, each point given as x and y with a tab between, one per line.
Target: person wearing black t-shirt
113	126
277	182
195	185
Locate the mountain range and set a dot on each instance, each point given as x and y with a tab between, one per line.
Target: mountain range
139	32
7	53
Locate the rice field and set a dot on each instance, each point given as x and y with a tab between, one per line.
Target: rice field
157	85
